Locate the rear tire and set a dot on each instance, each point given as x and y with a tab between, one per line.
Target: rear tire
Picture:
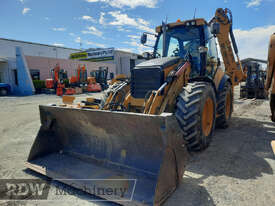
224	106
196	114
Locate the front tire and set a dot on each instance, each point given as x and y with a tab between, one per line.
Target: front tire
196	114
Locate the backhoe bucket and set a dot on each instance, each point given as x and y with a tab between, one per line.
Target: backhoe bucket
129	158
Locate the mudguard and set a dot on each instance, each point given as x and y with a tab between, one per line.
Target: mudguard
224	79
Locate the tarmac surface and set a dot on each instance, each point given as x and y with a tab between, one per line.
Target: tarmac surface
236	169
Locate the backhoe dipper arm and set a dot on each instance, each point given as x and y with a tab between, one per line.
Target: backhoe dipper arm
224	18
271	65
56	72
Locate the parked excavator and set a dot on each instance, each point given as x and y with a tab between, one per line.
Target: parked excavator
270	78
138	138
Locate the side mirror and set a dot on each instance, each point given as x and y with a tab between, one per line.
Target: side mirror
203	49
143	39
215	28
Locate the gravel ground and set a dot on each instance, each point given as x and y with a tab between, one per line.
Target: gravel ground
237	168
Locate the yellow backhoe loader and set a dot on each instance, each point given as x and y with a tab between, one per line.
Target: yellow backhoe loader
270	79
138	138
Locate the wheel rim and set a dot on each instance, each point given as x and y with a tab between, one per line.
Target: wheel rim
228	105
207	116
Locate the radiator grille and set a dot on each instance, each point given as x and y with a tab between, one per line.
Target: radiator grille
144	80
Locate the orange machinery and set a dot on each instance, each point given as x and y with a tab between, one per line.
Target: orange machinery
93	86
81	76
58	76
56	82
54	73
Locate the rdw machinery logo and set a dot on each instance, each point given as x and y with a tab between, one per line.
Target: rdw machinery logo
24	189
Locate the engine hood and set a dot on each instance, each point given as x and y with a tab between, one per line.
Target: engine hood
158	62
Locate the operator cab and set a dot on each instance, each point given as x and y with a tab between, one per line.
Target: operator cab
190	40
176	43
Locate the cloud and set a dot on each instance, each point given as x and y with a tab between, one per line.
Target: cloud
22	1
59	29
126	49
93	30
134	36
25	11
47	18
95	44
58	44
120	28
78	40
128	3
121	19
88	18
254	42
72	34
253	3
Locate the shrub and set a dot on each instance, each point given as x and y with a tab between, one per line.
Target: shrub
66	82
39	84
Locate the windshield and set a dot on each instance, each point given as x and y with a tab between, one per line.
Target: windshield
178	42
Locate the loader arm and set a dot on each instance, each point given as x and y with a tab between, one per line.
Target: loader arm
224	18
157	103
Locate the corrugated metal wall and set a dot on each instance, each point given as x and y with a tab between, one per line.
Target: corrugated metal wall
7	49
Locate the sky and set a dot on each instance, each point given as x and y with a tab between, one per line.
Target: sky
119	23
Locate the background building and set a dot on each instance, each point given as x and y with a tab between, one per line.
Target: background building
39	59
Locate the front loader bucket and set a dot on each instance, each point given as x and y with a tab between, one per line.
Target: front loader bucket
138	159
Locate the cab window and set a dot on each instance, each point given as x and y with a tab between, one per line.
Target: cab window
173	49
212	54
